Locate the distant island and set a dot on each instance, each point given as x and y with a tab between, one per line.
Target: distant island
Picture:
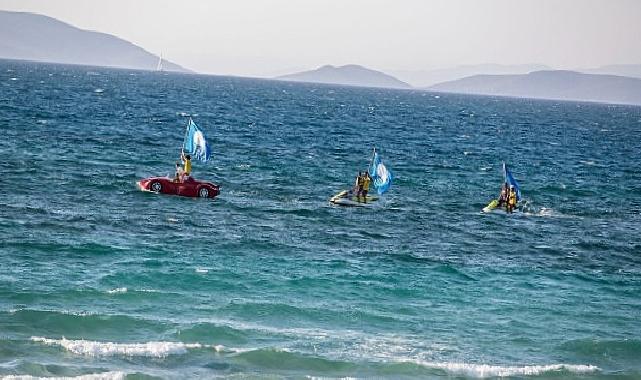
556	84
34	37
28	36
348	75
427	78
630	70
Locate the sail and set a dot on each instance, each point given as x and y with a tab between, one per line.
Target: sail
195	142
509	178
381	176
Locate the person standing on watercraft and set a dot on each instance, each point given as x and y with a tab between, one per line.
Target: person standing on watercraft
358	185
365	187
179	172
503	195
186	159
511	200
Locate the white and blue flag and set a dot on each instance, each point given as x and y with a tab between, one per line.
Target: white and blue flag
509	179
381	176
195	143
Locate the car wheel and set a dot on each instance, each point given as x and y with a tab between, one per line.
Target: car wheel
203	192
156	186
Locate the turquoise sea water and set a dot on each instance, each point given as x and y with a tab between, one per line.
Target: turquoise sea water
98	279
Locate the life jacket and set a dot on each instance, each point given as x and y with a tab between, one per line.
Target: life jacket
366	182
512	198
188	167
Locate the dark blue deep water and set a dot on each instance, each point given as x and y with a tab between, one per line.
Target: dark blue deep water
99	279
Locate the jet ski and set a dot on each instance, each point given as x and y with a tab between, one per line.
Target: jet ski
349	199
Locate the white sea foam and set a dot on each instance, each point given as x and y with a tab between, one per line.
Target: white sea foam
544	211
148	349
487	370
14	78
99	90
117	290
144	290
65	312
112	375
348	343
202	270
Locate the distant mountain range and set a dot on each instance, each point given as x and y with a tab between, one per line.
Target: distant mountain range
349	75
427	78
35	37
633	71
541	84
551	84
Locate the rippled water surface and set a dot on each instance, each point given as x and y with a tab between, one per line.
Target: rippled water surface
269	280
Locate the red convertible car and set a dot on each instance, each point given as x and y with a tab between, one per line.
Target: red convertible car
188	188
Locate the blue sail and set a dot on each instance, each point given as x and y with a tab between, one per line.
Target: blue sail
509	178
381	176
195	143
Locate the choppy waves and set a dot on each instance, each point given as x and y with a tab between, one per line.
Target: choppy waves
149	349
282	359
486	370
268	280
115	375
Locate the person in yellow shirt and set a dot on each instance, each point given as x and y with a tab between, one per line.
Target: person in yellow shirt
366	181
186	159
511	199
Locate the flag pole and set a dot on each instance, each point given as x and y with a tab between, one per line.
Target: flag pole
371	162
182	149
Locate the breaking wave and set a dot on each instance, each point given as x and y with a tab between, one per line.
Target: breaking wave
148	349
112	375
487	370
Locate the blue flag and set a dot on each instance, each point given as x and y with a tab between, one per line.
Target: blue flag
380	174
195	143
509	178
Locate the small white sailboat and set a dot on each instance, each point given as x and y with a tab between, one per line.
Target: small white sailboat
159	65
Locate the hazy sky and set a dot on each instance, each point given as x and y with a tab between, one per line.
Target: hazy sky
268	37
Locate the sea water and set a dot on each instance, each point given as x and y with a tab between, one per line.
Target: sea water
268	280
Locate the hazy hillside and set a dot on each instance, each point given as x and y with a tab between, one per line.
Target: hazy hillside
40	38
623	70
564	85
426	78
351	75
